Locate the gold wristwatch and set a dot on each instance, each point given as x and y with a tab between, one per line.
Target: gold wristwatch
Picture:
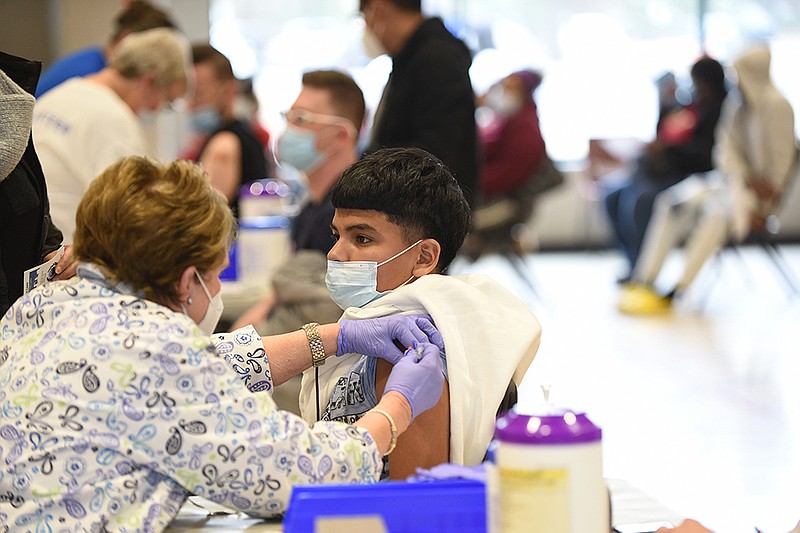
315	343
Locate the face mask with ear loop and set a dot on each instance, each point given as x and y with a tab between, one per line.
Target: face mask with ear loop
298	147
205	121
354	283
214	310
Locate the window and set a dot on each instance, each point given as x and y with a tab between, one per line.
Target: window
599	58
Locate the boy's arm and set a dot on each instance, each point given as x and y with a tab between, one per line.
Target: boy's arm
426	442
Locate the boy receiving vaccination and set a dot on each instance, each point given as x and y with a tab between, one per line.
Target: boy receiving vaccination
400	219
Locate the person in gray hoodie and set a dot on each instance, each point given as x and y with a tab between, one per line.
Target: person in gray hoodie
27	234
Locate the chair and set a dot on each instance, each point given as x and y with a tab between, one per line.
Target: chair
767	239
497	223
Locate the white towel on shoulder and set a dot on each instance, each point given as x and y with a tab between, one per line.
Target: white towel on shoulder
490	338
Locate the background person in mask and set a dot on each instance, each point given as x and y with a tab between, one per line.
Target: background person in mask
123	404
400	219
225	144
321	141
85	124
515	165
428	101
512	142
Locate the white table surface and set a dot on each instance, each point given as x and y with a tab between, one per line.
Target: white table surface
198	514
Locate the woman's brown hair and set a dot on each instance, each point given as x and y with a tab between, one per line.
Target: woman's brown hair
144	223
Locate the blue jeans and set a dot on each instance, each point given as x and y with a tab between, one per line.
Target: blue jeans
629	210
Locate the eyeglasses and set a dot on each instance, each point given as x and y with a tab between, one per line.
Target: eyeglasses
301	118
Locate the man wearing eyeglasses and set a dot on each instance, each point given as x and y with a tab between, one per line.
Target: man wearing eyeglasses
428	100
320	141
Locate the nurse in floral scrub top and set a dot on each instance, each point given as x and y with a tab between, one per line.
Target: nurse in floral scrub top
116	404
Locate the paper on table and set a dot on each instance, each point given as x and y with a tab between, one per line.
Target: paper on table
210	507
33	277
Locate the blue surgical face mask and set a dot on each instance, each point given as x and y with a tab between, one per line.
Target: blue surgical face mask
298	147
205	121
355	283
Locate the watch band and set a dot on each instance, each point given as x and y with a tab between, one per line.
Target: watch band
315	343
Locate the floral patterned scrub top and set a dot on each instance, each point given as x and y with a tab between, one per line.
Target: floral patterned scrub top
114	409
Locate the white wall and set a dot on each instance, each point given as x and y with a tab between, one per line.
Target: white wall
48	29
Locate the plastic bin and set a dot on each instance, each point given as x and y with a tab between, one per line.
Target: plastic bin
436	506
231	272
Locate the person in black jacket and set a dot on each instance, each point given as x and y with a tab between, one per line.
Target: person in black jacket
683	146
428	100
27	234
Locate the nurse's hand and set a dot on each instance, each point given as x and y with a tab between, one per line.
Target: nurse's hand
419	377
388	337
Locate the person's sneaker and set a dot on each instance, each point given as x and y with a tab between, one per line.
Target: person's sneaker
624	279
638	299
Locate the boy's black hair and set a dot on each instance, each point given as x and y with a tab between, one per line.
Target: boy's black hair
710	71
415	191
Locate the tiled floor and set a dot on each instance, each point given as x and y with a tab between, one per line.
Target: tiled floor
699	408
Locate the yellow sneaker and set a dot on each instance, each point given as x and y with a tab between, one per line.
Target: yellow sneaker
637	299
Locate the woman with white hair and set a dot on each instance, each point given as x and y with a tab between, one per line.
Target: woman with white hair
85	124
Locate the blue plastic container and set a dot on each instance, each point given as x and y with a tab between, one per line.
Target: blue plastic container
457	506
265	222
231	271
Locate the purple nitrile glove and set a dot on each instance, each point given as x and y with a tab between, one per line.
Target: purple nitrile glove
450	471
376	337
418	376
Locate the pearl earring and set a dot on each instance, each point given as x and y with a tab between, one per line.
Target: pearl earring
189	300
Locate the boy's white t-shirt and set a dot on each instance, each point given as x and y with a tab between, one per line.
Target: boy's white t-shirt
79	129
490	338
